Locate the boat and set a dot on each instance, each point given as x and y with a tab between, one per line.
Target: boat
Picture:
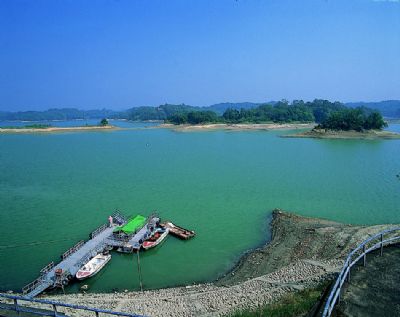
158	236
179	232
92	267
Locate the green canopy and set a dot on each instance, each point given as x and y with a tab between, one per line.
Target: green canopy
132	225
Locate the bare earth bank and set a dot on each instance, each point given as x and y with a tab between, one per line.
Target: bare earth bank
57	129
236	127
330	134
303	253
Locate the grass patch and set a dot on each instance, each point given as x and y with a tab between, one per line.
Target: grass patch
291	305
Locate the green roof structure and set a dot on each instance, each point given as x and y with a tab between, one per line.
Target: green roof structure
132	225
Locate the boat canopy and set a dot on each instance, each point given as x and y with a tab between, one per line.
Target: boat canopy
132	225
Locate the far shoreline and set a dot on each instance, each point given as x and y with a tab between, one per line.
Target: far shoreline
236	126
58	129
340	134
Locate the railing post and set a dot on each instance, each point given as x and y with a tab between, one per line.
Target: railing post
348	274
381	244
365	256
15	304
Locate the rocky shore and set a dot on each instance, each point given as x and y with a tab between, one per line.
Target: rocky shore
303	252
237	127
57	129
331	134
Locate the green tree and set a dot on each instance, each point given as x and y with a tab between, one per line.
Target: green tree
104	122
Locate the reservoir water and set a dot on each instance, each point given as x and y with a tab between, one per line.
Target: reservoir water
56	188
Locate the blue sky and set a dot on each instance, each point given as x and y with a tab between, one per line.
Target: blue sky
119	54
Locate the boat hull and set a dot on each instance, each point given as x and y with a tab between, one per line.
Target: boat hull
151	244
92	267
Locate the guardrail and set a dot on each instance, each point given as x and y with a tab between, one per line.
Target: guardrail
360	252
98	230
91	254
119	217
47	268
54	307
72	250
32	285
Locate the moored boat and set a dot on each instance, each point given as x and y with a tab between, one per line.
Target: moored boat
92	267
177	231
158	236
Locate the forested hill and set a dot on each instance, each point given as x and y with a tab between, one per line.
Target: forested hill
281	111
220	108
329	115
61	114
388	108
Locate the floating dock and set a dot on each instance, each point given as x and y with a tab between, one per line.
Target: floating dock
103	238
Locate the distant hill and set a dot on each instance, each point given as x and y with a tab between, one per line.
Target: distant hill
388	108
220	108
161	112
61	114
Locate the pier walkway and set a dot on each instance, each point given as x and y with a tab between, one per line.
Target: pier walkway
70	264
59	275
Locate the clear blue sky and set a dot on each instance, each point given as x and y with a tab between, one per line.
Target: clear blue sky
118	54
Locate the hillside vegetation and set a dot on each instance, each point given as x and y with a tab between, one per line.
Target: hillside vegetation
246	112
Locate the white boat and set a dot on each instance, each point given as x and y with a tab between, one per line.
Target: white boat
93	266
158	236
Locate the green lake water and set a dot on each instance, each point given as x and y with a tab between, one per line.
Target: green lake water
56	188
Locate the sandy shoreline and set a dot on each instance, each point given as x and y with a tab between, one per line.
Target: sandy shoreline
57	129
330	134
237	127
303	253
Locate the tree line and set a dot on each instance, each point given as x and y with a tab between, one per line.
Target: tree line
329	115
357	119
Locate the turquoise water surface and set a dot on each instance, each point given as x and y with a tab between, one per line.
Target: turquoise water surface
56	188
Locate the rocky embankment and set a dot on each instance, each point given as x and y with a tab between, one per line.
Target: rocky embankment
237	126
58	129
339	134
303	253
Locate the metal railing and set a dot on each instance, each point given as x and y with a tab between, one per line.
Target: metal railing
377	241
91	254
16	306
98	230
32	285
47	268
119	217
75	248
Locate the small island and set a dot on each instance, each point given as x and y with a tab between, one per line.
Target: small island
358	123
39	128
